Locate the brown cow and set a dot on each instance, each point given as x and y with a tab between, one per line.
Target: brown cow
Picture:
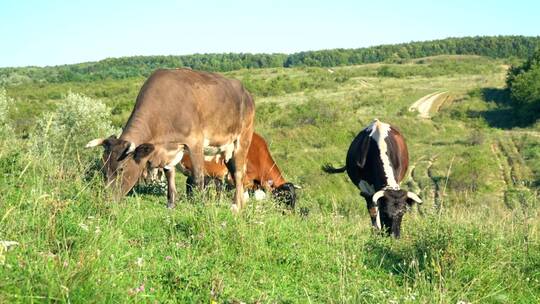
377	161
202	113
261	173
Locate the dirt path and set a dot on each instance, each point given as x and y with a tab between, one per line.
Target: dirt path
523	132
514	172
429	103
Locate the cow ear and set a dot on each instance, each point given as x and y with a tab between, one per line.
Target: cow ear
142	151
413	198
127	151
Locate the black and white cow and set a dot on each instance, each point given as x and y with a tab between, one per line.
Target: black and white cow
376	163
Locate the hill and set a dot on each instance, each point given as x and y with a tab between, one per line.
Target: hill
475	238
141	66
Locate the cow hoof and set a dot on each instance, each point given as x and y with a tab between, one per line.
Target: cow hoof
235	209
171	206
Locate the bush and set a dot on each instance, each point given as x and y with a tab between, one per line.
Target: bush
526	88
471	171
524	84
5	102
476	138
66	130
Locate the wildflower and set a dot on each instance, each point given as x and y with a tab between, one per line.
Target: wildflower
139	262
140	288
136	290
83	226
4	246
8	244
168	258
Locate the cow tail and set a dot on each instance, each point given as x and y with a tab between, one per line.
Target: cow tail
329	169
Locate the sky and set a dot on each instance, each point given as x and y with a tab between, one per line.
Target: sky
40	33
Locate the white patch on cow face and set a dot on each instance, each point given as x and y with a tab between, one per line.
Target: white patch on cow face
366	188
379	132
259	195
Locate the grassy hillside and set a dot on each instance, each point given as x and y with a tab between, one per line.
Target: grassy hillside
475	238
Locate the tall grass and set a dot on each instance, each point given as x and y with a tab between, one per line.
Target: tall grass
78	246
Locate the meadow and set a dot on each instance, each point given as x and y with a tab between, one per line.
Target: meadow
475	239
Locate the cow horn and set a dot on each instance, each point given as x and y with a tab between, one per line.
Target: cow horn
414	197
296	186
95	142
131	148
127	151
377	196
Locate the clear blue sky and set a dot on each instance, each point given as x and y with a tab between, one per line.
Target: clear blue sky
49	32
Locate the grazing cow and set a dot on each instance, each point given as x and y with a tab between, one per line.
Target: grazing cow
377	161
261	173
203	114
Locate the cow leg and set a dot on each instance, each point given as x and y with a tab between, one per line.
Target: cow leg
189	186
238	200
237	168
171	187
197	167
218	183
373	211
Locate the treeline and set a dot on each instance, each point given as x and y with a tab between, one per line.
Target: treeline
128	67
490	46
142	66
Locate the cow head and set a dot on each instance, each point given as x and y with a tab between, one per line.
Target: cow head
122	163
392	205
285	193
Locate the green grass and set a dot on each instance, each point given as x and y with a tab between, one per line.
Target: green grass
475	238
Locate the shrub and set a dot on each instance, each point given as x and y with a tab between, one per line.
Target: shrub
524	84
66	130
526	88
5	101
476	138
471	172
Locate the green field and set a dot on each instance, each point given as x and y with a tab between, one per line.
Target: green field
475	239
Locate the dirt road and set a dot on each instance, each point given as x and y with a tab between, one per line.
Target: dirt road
429	103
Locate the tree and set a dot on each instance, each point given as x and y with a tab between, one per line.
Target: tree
524	84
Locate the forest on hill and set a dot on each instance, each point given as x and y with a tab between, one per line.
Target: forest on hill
520	47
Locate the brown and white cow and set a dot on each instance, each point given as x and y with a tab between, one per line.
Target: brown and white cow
376	162
204	114
262	172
